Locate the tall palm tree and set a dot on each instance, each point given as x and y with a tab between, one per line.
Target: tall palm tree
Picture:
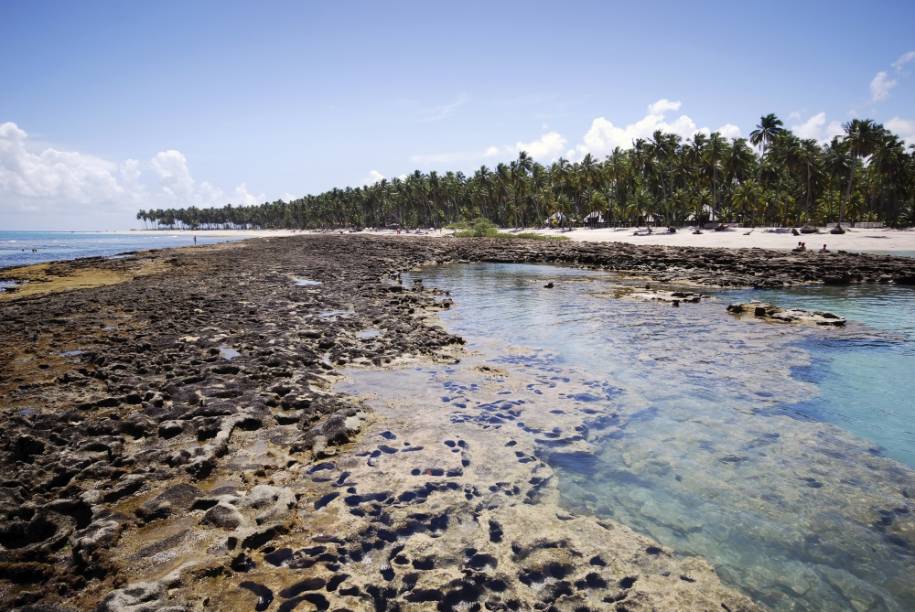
712	156
767	129
861	137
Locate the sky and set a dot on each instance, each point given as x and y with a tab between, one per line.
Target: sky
110	107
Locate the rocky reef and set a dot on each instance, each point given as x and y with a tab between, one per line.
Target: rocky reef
171	439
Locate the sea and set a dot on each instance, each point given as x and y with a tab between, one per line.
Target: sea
21	248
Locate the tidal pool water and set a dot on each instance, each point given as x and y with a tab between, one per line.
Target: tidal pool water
782	454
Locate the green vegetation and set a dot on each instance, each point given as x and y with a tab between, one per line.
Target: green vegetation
484	228
866	174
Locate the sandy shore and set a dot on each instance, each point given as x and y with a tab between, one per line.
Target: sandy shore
764	238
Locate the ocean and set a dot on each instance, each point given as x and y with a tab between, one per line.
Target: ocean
24	248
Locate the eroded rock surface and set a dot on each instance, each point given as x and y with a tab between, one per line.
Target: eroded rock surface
170	438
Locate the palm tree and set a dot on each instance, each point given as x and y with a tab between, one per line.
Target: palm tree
861	138
767	129
791	180
712	155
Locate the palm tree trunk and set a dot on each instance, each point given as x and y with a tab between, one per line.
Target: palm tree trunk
808	190
851	176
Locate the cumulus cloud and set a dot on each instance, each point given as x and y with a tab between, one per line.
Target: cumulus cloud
52	181
373	177
174	176
53	174
243	197
904	128
881	85
904	59
546	148
729	130
817	128
603	135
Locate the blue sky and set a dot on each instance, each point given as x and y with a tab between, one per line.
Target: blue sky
107	107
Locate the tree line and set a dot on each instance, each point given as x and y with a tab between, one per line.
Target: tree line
772	178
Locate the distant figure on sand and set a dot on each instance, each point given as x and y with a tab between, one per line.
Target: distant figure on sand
195	240
824	249
800	247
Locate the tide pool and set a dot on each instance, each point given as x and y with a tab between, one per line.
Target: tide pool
782	454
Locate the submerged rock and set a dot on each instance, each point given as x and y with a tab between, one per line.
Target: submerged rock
770	312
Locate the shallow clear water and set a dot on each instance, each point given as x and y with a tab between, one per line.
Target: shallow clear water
866	384
16	248
781	454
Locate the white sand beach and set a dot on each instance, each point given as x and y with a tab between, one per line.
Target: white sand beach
855	239
880	239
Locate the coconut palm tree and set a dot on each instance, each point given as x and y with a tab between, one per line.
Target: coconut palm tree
767	129
861	137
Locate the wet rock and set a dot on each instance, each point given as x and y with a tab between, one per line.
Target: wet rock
768	312
264	595
175	499
223	515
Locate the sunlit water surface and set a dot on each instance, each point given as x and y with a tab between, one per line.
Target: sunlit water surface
781	454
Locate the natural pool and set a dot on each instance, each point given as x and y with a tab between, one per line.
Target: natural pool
781	454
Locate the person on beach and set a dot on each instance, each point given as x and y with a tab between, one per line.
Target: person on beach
195	240
824	249
800	247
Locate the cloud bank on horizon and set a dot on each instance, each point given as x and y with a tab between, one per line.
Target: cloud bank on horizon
35	178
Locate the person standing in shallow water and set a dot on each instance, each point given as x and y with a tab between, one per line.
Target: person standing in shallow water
195	240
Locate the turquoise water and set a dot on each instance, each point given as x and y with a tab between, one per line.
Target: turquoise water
24	248
866	384
782	454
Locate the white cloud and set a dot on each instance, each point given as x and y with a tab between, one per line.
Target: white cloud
729	130
664	105
243	197
601	138
53	174
373	177
603	135
546	148
904	59
47	181
881	85
817	128
904	128
174	176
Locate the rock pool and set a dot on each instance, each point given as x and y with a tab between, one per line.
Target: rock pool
781	454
